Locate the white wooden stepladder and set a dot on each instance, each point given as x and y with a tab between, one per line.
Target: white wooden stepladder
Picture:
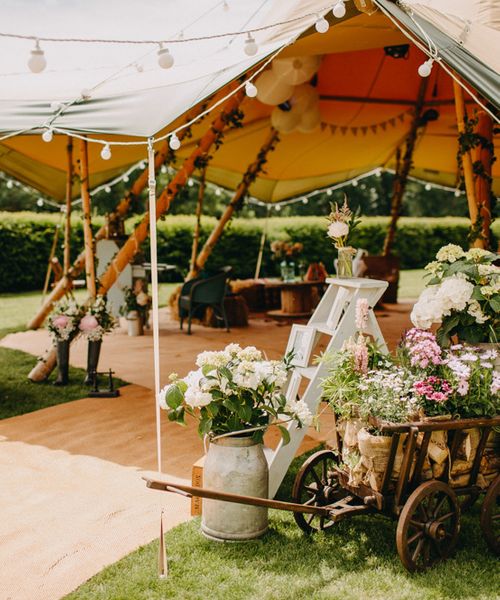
334	316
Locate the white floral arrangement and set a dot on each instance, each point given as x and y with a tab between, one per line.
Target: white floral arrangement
462	296
235	391
64	320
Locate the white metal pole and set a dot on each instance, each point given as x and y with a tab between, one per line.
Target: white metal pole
154	290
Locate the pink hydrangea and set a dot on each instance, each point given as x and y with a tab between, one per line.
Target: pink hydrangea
61	321
433	388
422	348
88	323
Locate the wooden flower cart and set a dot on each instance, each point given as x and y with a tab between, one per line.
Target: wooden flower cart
427	512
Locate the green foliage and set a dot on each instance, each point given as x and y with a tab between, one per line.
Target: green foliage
26	239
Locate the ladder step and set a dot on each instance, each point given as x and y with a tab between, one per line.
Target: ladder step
307	372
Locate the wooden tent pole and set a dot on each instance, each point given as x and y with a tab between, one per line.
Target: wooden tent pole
484	156
132	245
466	159
197	225
67	220
49	265
263	238
120	211
87	220
401	177
248	178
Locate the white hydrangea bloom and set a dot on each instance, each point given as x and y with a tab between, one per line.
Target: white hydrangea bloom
428	309
217	359
233	349
300	410
450	253
485	270
433	267
162	397
250	353
193	378
196	398
454	293
476	254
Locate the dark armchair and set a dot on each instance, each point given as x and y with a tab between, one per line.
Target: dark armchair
201	292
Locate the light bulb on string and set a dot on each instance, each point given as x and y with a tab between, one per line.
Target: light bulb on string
40	202
354	183
322	25
37	61
428	187
47	135
86	94
106	152
329	192
165	59
457	193
10	184
190	182
424	70
225	6
107	189
378	173
217	192
277	207
174	142
339	10
305	200
139	68
250	47
250	89
163	169
126	178
142	165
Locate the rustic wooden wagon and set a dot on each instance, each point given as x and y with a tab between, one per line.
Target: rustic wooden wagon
427	512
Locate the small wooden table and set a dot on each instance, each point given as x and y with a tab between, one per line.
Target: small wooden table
298	299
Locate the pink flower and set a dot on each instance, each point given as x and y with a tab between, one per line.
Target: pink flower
60	321
438	396
88	323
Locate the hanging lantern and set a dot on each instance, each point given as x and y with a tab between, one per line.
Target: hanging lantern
309	120
296	70
271	90
285	121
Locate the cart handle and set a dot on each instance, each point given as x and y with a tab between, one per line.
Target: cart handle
444	425
189	491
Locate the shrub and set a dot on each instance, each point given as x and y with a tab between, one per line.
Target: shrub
26	239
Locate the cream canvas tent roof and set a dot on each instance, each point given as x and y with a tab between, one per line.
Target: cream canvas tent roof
366	97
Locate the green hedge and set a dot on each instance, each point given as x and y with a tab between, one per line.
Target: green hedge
26	238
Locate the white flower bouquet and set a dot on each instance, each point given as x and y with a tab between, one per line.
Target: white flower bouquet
462	296
342	223
64	320
97	320
235	391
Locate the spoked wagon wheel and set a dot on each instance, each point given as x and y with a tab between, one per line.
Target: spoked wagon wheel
490	516
316	484
428	526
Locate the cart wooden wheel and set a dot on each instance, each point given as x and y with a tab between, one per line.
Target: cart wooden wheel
490	516
428	526
317	484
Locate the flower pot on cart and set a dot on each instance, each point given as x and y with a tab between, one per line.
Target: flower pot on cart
236	465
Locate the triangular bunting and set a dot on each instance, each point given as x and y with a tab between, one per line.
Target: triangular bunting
383	125
354	130
333	129
323	126
373	128
401	117
364	130
392	122
343	130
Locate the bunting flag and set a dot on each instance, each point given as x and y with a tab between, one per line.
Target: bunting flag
162	553
366	128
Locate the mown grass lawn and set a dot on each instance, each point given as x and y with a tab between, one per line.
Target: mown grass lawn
355	561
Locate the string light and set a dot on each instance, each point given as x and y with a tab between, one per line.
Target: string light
190	182
250	47
322	25
10	184
174	142
106	152
165	59
47	135
163	169
126	178
329	192
250	89
277	207
428	187
37	61
217	192
142	165
139	68
354	183
339	10
86	94
457	193
39	202
305	200
107	189
424	70
225	6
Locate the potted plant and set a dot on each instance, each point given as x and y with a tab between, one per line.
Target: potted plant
342	223
462	297
235	395
63	326
136	309
285	252
96	322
